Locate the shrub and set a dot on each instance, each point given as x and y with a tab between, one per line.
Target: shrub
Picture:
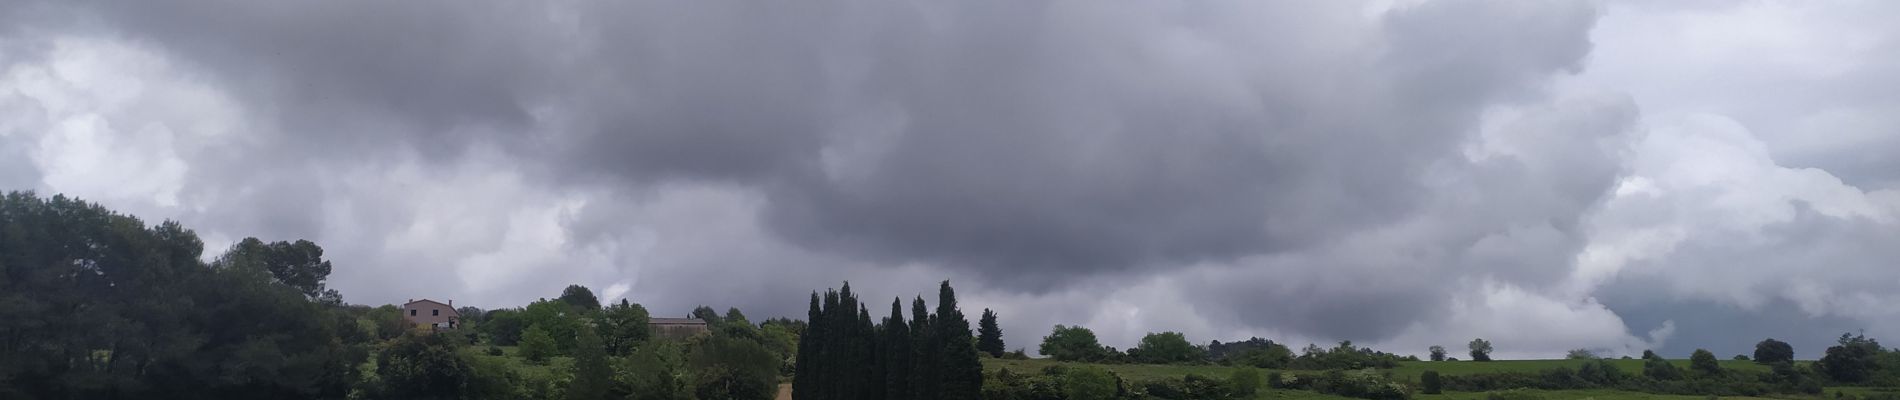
495	351
1276	380
1089	383
1430	383
1514	394
1365	384
1244	382
1190	387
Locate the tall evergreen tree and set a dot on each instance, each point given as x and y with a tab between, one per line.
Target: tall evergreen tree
895	356
989	337
870	376
806	367
924	348
960	374
832	350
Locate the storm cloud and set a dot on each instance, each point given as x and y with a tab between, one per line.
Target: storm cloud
1548	175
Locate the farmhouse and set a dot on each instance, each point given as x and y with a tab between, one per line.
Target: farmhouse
433	314
677	328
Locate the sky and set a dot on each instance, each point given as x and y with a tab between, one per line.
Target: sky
1615	175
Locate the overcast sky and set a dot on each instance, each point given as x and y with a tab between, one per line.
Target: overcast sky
1547	175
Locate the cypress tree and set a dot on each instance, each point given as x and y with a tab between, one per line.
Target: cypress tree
831	376
989	337
895	356
924	348
806	367
960	373
846	323
869	379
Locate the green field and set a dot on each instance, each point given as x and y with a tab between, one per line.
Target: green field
1409	371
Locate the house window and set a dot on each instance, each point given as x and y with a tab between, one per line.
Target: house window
435	312
412	313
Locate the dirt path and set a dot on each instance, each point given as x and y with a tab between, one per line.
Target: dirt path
784	391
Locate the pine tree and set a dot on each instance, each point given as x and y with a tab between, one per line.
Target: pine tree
989	338
960	373
895	356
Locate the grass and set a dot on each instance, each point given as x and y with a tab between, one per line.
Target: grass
521	365
1409	371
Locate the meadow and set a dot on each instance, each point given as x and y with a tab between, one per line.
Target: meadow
1410	370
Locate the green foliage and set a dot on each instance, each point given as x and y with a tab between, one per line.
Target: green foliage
1190	387
1244	382
989	337
959	370
1770	351
709	315
423	366
536	345
1166	347
837	357
579	298
1580	354
1480	349
96	304
657	371
1071	343
592	376
1344	356
387	322
1852	361
502	326
729	368
299	265
623	327
1703	362
843	355
894	353
1255	352
1660	369
1430	383
1438	353
557	319
1089	383
1364	384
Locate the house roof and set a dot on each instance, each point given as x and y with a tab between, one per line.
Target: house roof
444	305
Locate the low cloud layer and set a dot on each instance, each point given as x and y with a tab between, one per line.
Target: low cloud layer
1615	176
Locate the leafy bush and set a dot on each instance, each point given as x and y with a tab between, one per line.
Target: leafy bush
1089	383
1244	382
1345	356
495	351
1365	384
1191	387
1276	380
1430	383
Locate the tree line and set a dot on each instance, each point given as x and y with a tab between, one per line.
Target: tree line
100	305
845	355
